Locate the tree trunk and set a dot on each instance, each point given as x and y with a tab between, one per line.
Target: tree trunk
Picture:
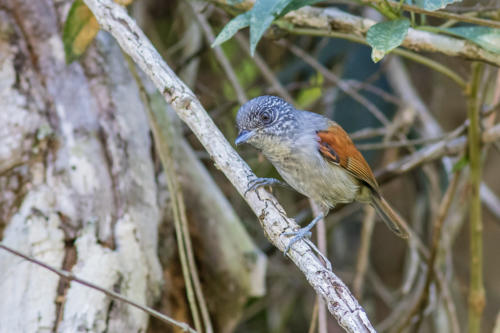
78	143
80	189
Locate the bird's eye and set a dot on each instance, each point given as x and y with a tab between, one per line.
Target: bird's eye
265	117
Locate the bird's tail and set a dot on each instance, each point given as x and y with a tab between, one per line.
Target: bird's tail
389	216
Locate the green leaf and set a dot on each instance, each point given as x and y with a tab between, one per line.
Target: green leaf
263	14
234	2
486	37
259	18
79	30
460	164
385	36
239	22
432	4
307	96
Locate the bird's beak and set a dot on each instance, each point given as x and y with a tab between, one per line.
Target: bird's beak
243	137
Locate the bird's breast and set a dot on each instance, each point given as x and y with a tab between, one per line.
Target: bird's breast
304	169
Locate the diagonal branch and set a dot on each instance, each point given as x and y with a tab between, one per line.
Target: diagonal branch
346	309
219	53
346	88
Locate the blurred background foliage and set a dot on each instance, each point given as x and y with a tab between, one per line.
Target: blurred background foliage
289	301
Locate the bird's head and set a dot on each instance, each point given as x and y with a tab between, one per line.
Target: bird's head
265	120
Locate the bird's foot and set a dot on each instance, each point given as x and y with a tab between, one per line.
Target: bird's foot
302	232
297	236
306	233
259	182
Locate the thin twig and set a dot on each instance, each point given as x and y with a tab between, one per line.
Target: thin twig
382	291
314	318
358	86
322	246
399	51
451	310
432	153
413	142
401	307
71	277
364	251
367	133
164	151
163	135
267	73
219	54
160	130
436	236
336	80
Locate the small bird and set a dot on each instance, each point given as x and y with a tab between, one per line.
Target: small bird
315	156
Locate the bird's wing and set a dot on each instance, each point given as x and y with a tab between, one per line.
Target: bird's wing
336	146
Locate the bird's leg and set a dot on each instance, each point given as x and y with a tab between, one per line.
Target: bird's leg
302	232
259	182
318	252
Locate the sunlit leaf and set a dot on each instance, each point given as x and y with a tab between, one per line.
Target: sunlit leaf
486	37
263	14
460	164
432	4
79	30
239	22
309	95
259	18
385	36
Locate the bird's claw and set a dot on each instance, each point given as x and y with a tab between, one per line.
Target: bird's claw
298	235
306	233
259	182
301	234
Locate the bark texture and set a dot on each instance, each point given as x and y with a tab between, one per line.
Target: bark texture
77	140
80	190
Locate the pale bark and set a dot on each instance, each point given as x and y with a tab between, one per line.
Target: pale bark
340	302
79	189
90	191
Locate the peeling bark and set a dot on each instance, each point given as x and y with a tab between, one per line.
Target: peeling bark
93	186
80	190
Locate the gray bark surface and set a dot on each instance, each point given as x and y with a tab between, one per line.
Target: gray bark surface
81	149
80	190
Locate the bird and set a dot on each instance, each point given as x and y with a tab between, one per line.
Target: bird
315	156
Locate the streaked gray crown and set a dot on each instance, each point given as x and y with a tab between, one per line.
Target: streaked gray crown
263	112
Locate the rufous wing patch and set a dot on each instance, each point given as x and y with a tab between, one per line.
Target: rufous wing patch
329	153
336	146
